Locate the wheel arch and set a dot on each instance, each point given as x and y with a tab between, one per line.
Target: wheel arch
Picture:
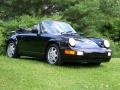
57	44
50	43
16	54
10	40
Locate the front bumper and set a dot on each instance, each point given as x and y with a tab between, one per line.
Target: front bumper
89	55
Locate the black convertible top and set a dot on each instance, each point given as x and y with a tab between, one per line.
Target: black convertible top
22	30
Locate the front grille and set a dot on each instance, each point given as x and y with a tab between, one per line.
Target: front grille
96	55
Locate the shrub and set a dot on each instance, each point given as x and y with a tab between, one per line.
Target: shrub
2	39
115	49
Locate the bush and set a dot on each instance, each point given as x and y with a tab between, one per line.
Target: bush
115	49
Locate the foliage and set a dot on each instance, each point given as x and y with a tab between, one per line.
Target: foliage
110	7
1	40
115	48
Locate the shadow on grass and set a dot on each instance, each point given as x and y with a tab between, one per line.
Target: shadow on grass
66	65
33	59
81	65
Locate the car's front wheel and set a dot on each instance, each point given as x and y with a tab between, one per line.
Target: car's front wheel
11	50
53	55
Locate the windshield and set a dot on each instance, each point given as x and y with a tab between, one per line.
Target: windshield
57	28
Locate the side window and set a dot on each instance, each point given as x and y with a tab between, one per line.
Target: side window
42	29
35	29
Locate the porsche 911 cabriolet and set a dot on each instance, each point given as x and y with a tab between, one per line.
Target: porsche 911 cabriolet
57	42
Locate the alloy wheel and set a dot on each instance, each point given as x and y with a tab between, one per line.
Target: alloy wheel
11	49
52	55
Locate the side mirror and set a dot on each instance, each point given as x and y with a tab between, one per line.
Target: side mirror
81	34
35	31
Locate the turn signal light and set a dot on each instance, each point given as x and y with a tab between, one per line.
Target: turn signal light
71	52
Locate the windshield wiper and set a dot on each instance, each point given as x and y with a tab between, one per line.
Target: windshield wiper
68	32
71	32
63	32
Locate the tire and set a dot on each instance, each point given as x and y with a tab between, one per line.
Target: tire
53	55
12	50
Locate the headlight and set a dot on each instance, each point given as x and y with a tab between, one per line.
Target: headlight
106	43
72	41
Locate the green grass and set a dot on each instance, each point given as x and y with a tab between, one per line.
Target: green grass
27	74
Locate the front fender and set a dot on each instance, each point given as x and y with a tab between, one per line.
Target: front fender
61	43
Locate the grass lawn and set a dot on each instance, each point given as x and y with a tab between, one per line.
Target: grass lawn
27	74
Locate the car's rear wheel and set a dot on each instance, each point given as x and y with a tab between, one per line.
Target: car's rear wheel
53	55
11	50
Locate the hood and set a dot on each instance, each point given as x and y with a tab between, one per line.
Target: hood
82	42
86	43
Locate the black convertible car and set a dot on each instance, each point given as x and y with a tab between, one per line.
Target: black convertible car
58	42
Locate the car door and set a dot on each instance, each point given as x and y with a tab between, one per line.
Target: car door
31	44
27	43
